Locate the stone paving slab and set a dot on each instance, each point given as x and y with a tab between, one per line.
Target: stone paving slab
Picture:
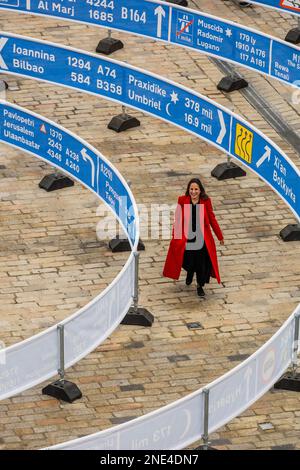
51	262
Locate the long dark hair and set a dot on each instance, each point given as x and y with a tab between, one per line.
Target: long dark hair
203	194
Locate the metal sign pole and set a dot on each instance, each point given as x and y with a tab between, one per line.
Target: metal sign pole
62	389
135	297
205	438
61	370
296	343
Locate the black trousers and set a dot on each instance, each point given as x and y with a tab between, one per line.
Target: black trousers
199	262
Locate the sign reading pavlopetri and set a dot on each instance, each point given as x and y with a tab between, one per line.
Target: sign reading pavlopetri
176	25
64	150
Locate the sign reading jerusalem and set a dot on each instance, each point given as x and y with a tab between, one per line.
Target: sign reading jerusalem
181	26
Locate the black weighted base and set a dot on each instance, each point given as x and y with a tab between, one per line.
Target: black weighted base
119	245
289	382
123	122
232	83
63	390
182	3
204	447
141	317
290	233
293	36
55	181
109	45
225	171
244	4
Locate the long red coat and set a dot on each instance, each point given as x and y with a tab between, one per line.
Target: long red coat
176	250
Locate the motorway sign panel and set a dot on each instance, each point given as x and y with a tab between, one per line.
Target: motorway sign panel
176	25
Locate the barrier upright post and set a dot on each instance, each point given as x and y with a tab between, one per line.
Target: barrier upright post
291	380
62	389
205	437
137	315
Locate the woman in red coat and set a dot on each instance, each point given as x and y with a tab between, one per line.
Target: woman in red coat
189	249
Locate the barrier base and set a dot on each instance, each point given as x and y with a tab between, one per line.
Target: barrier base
225	171
204	447
232	83
55	181
244	4
289	382
293	36
119	245
109	45
290	233
63	390
182	3
123	122
140	317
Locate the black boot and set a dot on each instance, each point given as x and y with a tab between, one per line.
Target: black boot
200	291
189	278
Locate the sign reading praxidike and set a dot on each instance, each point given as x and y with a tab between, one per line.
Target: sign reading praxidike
63	149
154	95
177	25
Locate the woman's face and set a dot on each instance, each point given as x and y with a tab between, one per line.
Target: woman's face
194	191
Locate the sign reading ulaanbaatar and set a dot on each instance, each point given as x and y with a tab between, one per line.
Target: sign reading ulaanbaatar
149	93
289	6
59	147
177	25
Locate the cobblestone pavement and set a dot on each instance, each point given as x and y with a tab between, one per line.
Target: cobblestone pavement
52	263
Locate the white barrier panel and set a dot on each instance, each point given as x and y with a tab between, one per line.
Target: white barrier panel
29	363
172	427
181	423
236	391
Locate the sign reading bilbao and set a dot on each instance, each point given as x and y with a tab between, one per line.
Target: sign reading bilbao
177	25
149	93
289	6
61	148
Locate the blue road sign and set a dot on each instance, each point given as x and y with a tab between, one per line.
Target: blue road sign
59	147
173	24
152	94
288	6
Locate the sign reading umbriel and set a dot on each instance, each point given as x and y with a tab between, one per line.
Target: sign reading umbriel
177	25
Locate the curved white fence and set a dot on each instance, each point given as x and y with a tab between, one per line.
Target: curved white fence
181	423
36	359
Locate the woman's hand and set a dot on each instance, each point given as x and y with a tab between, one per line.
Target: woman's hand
222	242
